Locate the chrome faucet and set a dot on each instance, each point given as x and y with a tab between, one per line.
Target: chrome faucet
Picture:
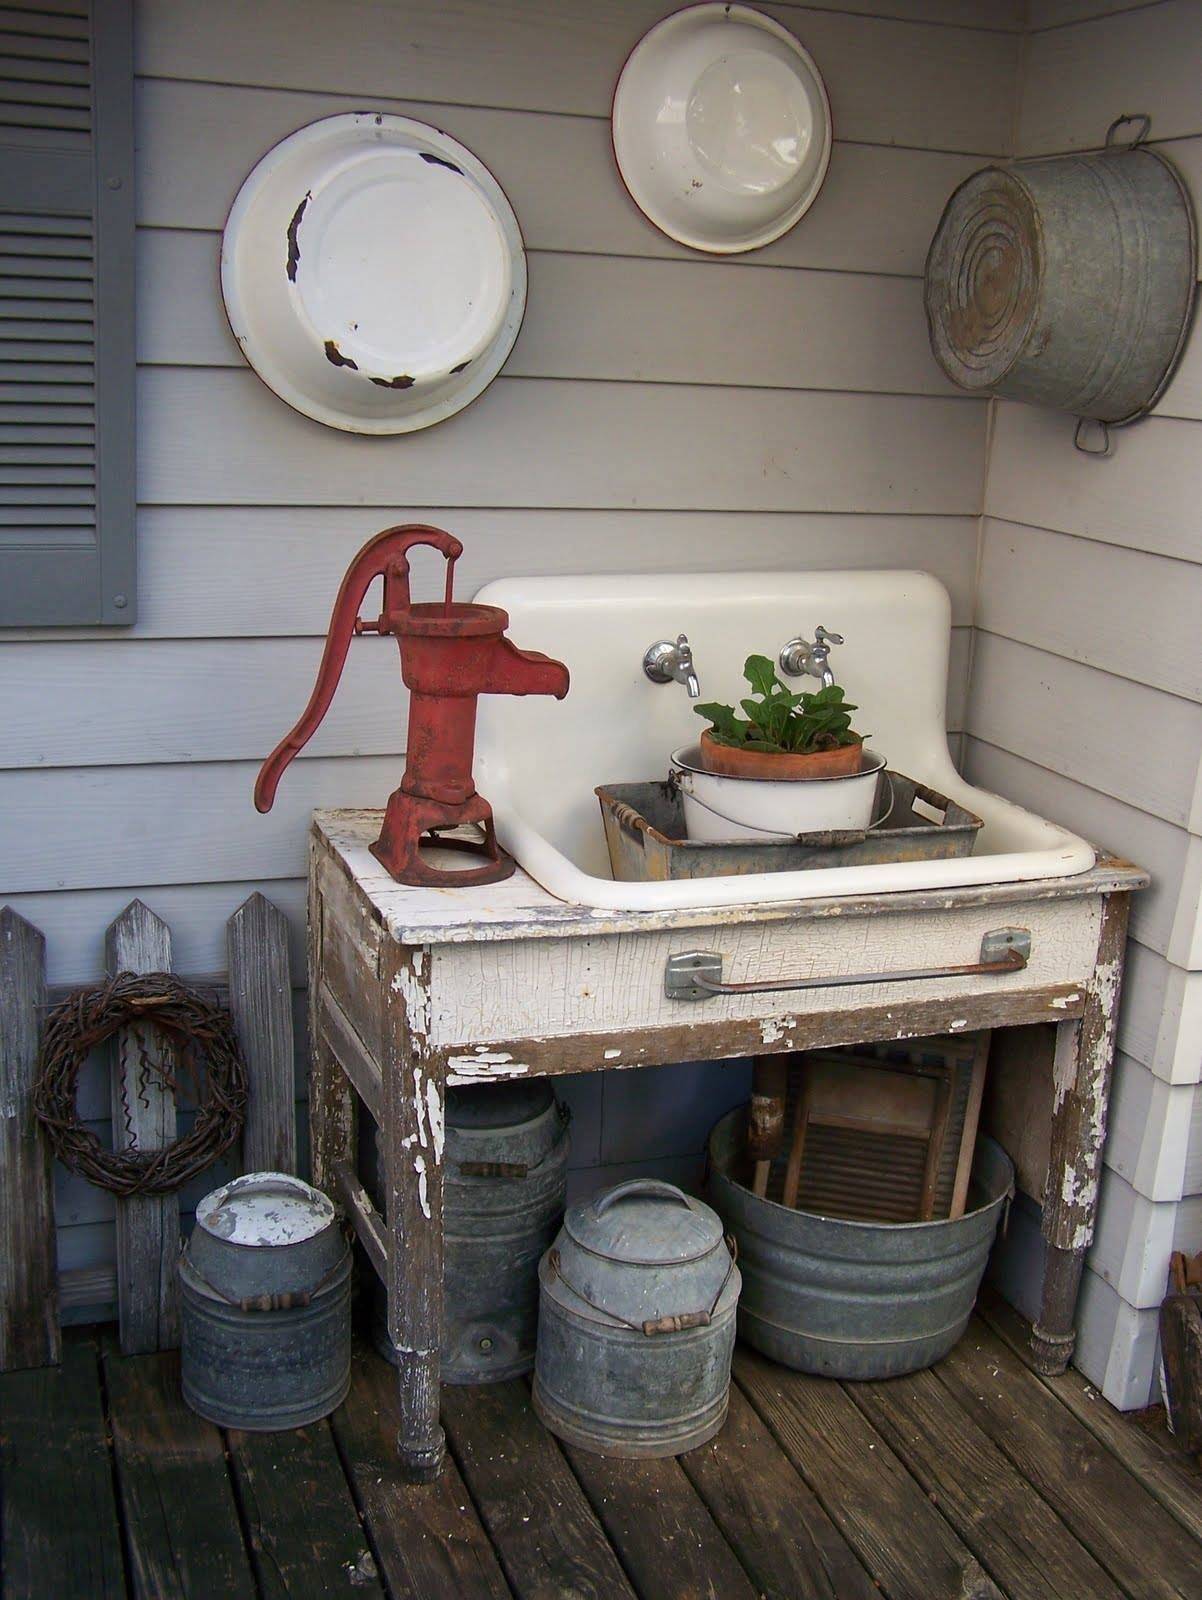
800	657
665	662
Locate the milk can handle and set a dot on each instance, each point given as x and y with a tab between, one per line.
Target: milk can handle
648	1186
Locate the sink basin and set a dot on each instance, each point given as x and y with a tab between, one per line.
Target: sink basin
538	760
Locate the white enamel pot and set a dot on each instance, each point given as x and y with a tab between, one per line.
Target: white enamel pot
718	808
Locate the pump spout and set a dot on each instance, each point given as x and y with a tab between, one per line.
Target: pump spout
526	672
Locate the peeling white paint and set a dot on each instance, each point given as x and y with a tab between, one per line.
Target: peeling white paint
419	1105
612	1055
483	1067
774	1029
423	1195
434	1107
960	1022
1063	1001
416	1001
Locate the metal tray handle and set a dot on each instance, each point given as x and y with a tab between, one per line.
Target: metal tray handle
697	974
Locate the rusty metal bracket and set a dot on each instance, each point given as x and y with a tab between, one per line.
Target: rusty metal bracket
697	974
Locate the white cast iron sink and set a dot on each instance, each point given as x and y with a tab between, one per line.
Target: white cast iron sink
538	760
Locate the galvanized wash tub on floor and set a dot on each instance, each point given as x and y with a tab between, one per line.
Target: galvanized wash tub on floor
855	1299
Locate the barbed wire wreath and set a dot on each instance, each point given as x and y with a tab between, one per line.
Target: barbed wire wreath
196	1031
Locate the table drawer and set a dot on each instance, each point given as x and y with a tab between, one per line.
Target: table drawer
558	989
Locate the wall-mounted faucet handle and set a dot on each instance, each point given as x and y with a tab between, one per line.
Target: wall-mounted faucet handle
801	657
665	662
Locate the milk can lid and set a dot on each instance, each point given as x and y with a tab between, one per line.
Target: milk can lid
265	1208
645	1222
498	1105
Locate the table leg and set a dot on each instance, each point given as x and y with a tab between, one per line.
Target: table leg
1081	1078
411	1136
332	1125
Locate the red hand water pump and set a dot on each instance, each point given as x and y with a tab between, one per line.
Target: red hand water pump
450	654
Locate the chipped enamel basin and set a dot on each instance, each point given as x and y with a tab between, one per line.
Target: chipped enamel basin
538	760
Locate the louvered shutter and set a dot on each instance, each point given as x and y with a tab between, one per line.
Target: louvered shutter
67	552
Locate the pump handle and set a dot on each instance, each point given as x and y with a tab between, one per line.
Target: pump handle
386	556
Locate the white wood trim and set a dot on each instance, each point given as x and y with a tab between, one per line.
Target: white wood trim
891	81
568	444
876	212
1060	714
666	321
1026	574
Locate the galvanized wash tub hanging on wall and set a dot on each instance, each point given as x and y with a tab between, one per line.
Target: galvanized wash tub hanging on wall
1067	281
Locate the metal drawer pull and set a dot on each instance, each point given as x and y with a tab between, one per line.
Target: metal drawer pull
697	974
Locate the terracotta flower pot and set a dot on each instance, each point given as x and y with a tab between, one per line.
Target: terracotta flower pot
791	766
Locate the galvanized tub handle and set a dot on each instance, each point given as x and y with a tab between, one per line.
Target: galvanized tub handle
676	1322
1088	427
654	1187
1145	128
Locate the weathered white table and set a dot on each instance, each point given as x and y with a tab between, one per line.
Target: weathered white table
413	989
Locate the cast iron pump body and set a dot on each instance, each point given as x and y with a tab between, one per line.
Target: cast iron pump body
451	652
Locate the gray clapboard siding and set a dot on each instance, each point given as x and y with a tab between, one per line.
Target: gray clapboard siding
1146	497
1149	1130
1056	13
1129	612
159	824
1077	79
893	81
876	212
550	443
661	321
1153	843
206	573
73	921
1192	1179
1160	1023
121	700
1038	706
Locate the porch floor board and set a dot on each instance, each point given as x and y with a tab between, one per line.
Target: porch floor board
972	1481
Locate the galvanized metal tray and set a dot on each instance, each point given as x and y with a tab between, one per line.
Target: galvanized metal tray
645	832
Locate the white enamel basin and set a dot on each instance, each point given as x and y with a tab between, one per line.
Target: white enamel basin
538	760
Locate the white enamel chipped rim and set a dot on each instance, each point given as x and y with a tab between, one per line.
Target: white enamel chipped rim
373	273
721	128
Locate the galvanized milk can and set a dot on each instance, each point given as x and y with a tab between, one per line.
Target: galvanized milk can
636	1323
1067	281
504	1182
266	1298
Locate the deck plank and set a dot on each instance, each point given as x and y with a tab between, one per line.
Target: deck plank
901	1538
427	1536
181	1518
549	1542
59	1530
664	1536
305	1534
1163	1468
771	1519
1011	1530
1140	1544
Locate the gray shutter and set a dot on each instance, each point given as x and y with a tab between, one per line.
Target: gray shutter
67	551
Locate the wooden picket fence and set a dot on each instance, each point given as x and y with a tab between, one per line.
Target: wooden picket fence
258	993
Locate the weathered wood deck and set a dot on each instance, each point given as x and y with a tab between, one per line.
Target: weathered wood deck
972	1480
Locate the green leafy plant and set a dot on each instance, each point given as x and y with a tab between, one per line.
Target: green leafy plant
778	720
